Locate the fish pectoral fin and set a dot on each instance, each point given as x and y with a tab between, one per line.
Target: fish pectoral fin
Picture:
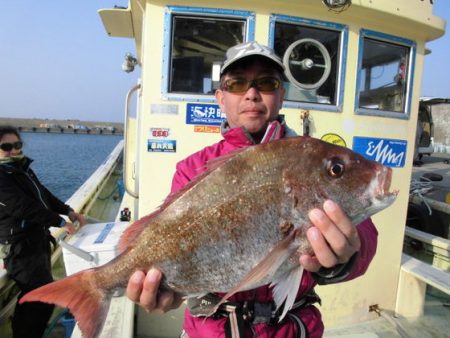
285	289
195	295
267	266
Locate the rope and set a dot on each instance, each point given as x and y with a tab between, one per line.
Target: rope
419	188
396	323
392	319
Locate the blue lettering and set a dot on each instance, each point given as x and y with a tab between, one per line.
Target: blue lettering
384	154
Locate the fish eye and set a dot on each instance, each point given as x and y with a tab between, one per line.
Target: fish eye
335	168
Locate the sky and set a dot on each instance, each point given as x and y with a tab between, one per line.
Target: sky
57	62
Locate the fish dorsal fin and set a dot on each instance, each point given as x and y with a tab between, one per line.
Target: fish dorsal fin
135	229
204	171
218	161
285	289
281	252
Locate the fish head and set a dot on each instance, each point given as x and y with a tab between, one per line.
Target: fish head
359	185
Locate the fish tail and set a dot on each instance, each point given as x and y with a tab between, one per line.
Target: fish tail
87	303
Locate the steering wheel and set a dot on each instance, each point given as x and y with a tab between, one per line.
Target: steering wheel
308	63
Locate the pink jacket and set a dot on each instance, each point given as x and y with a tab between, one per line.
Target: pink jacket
197	327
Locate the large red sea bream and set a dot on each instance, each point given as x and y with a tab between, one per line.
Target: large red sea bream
239	225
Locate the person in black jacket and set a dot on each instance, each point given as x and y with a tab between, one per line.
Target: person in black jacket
27	210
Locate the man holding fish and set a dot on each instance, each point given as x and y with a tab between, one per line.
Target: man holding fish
251	94
249	228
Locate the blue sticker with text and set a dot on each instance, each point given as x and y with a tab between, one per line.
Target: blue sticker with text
390	153
162	146
104	233
208	114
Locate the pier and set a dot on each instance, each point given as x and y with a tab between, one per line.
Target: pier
63	126
61	130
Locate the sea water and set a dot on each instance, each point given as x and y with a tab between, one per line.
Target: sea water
62	162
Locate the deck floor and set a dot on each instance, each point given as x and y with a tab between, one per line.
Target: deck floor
434	324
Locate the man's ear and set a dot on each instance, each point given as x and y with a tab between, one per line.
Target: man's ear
283	92
219	98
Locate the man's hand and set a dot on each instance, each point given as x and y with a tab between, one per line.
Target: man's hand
143	289
333	238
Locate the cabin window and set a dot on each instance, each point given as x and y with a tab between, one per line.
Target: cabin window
312	52
384	75
198	44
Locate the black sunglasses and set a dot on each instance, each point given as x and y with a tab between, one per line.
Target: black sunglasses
264	84
9	146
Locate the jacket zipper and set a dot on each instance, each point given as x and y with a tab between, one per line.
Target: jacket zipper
37	188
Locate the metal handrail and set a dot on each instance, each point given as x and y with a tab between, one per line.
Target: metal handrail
125	137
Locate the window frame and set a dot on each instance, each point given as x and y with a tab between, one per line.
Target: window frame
218	13
391	39
342	63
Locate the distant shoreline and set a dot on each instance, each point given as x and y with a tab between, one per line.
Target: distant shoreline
63	126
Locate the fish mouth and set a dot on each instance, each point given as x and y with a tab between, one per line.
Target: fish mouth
383	197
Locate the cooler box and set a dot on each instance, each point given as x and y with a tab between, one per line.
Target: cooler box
98	243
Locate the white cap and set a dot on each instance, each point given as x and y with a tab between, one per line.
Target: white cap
252	48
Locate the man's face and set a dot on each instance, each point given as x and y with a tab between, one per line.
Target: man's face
252	109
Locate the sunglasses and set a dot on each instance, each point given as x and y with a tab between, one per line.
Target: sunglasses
264	84
9	146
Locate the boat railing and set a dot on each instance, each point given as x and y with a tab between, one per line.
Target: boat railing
82	199
415	275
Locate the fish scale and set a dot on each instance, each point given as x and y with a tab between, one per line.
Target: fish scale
230	235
